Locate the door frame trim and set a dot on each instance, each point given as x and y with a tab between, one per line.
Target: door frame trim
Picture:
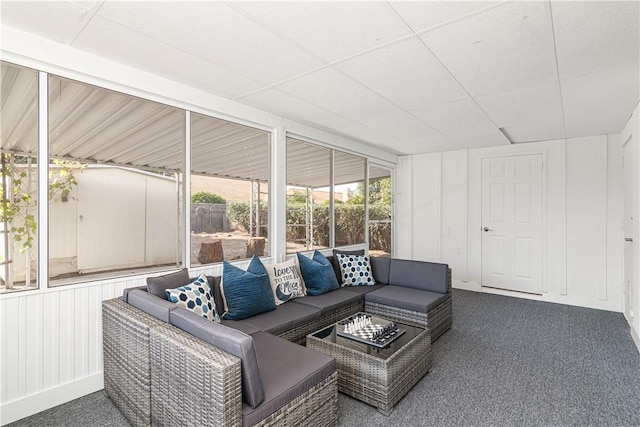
543	153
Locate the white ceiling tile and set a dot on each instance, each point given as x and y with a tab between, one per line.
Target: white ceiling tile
333	91
290	107
463	122
454	115
536	132
478	138
331	30
592	36
403	130
519	107
217	34
503	48
57	21
405	73
421	15
363	133
599	103
108	39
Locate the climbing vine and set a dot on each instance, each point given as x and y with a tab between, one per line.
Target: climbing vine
18	207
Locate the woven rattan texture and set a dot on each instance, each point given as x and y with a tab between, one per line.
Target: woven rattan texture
316	407
439	319
127	376
193	382
378	382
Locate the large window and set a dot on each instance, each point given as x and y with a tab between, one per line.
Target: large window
380	213
308	196
229	190
314	175
18	166
350	216
114	174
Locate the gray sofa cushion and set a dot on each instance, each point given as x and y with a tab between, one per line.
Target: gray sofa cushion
214	283
284	317
423	275
230	340
125	292
335	262
363	289
158	285
380	268
240	325
150	304
407	298
331	300
288	370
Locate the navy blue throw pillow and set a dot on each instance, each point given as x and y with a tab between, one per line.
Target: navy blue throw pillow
318	274
246	293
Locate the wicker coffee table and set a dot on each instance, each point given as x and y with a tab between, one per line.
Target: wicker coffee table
379	377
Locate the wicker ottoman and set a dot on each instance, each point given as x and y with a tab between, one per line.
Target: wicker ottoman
378	377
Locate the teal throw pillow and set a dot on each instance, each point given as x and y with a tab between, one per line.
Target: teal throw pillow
246	293
318	274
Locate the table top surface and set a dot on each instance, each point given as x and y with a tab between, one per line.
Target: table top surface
330	334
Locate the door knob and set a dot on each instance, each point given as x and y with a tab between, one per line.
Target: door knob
487	229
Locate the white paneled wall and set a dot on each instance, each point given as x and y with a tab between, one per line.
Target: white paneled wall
51	343
582	216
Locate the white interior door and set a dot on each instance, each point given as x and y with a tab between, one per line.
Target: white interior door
512	223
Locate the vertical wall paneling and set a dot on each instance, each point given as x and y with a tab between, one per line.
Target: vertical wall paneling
615	213
51	345
403	208
33	345
586	207
454	212
22	345
3	349
427	207
51	335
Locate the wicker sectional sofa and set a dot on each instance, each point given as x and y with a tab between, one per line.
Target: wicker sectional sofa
164	365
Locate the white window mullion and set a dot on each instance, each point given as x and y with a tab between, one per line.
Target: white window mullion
43	180
186	185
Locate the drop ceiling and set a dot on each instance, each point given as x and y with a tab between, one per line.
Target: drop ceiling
408	77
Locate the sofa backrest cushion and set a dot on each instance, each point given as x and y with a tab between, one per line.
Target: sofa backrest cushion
230	340
214	284
158	285
428	276
335	261
151	304
318	274
380	268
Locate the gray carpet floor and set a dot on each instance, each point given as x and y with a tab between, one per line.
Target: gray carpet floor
505	362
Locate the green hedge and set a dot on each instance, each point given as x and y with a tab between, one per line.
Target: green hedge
350	221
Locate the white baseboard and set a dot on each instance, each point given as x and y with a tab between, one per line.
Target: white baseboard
635	337
466	286
43	400
559	299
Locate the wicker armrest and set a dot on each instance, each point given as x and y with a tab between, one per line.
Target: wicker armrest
192	381
125	343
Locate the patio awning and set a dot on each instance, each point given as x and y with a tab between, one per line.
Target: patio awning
97	125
